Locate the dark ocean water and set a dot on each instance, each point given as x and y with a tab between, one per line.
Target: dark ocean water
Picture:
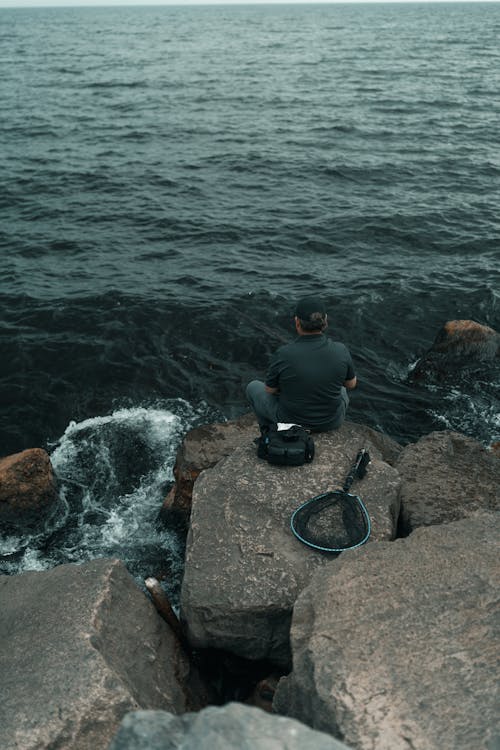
171	179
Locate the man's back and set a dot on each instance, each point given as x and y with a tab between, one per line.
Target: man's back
307	379
309	374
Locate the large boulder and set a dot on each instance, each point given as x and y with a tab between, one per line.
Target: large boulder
396	646
459	344
203	447
27	489
244	568
80	646
233	727
446	476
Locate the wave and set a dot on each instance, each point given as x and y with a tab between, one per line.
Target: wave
113	472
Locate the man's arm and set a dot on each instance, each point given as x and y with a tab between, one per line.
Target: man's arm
272	381
350	384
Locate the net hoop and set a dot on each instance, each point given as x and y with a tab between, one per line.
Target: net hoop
356	499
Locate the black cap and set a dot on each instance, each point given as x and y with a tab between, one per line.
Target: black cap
306	306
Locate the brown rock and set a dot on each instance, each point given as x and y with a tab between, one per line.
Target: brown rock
446	476
263	694
459	343
27	487
462	334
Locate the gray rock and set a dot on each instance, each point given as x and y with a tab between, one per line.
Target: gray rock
244	568
396	645
80	646
233	727
446	476
202	448
387	448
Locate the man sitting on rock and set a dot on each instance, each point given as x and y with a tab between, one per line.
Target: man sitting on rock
307	379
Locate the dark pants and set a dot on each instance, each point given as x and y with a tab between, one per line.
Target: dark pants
265	405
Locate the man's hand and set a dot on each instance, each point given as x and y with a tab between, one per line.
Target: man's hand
350	384
274	391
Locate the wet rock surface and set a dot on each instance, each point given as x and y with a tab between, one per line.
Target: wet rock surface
27	489
446	476
459	344
233	727
396	645
244	568
80	646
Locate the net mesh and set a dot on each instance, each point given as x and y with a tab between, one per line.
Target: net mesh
333	522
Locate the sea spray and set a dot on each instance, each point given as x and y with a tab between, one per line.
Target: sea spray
114	471
469	404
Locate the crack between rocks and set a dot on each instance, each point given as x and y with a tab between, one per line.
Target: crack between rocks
95	637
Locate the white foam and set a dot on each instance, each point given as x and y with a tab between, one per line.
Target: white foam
158	426
473	411
101	517
152	416
34	560
9	545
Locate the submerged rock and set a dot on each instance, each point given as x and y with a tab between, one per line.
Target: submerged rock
244	568
459	344
233	727
80	646
27	489
396	646
446	476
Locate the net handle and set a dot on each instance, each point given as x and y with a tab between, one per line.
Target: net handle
358	469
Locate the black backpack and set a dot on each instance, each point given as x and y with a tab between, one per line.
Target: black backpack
291	447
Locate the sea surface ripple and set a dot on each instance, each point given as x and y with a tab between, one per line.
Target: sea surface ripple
172	178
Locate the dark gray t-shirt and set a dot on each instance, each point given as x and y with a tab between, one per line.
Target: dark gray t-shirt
309	373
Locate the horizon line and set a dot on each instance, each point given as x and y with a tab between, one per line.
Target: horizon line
180	3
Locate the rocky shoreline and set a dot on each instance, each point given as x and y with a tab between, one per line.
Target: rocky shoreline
393	646
390	646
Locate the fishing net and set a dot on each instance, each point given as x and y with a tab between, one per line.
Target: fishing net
337	520
333	522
